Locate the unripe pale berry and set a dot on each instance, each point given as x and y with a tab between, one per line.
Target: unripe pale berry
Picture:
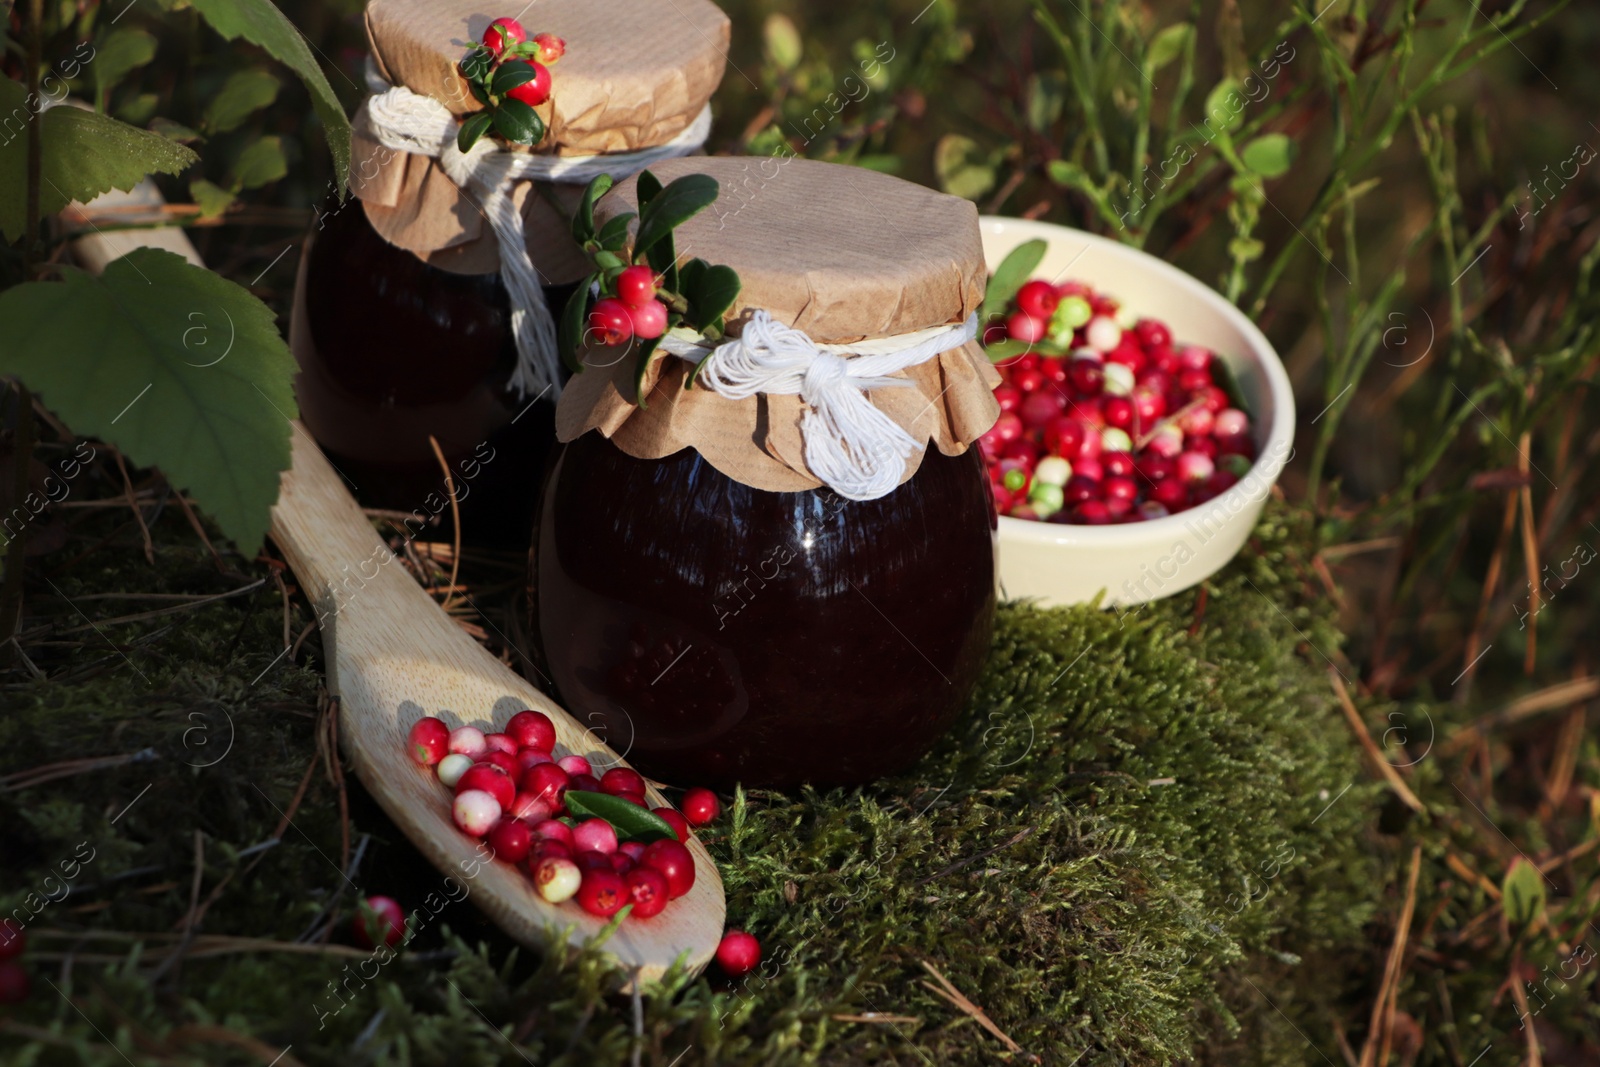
1052	470
557	879
475	812
1102	334
468	741
452	767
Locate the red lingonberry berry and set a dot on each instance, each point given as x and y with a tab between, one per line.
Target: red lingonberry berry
503	33
602	892
647	891
609	322
1007	397
1093	513
622	780
429	739
548	782
379	919
649	319
490	779
536	90
1026	328
532	729
674	861
14	983
1118	411
1037	299
700	806
679	824
511	839
636	286
506	763
1086	376
551	47
738	954
1040	408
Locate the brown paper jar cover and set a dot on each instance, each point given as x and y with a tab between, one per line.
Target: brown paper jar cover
614	91
841	253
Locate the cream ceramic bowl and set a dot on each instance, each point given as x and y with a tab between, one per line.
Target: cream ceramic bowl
1136	562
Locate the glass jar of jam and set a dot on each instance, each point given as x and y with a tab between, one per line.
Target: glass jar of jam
706	602
402	324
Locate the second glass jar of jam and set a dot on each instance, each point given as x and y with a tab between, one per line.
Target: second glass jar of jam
402	323
708	603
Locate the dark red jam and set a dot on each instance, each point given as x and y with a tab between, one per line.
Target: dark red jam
716	633
401	350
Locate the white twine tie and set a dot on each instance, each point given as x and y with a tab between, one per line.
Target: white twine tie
405	121
851	446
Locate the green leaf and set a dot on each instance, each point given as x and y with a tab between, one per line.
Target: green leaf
647	353
646	188
1224	107
1167	45
782	42
962	167
260	23
85	154
472	129
518	122
679	201
242	95
631	822
119	52
583	218
574	320
510	75
609	261
178	367
476	64
1522	892
261	162
1017	267
174	131
1269	155
613	236
212	199
711	293
1047	93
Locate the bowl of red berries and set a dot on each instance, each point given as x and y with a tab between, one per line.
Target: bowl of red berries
1144	419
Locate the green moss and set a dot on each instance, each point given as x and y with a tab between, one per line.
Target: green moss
1169	803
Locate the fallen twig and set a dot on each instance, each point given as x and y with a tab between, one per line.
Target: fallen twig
1370	747
949	992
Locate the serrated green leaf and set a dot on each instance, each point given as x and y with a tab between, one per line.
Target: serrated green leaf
1522	892
613	236
680	200
583	218
472	129
1224	108
510	75
782	42
962	167
85	154
260	23
647	353
213	200
178	367
1269	155
242	95
261	162
574	319
631	822
1017	267
1167	45
118	52
711	293
174	131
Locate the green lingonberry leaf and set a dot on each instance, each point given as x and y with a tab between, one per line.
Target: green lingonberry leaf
583	218
613	236
518	122
573	320
511	74
472	129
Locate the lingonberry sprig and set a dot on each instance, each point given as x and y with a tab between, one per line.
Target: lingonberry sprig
638	291
509	74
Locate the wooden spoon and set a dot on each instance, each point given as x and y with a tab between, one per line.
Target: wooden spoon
394	656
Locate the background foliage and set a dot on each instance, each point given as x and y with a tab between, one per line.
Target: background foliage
1400	192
